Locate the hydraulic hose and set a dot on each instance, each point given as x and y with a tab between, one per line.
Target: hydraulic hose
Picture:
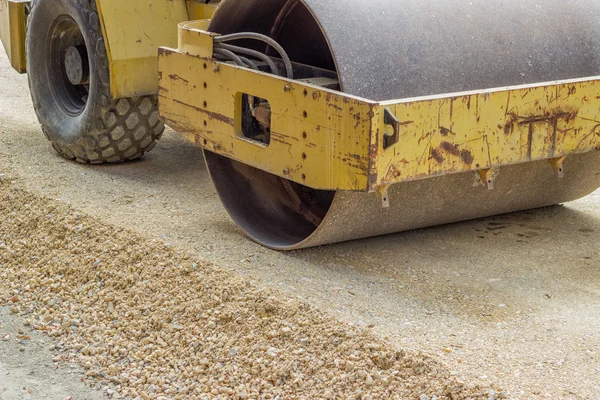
263	38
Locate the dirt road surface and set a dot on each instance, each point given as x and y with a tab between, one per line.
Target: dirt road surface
511	301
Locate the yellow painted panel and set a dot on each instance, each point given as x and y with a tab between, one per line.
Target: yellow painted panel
329	140
194	40
318	137
201	10
134	29
12	31
474	131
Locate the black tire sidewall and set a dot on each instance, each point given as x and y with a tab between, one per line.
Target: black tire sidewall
59	125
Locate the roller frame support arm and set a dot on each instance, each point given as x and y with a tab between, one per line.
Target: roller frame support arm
328	140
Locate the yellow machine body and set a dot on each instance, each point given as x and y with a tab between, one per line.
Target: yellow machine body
328	140
13	18
133	31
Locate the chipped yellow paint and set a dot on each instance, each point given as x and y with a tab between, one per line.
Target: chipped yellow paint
13	18
329	140
133	31
475	131
319	138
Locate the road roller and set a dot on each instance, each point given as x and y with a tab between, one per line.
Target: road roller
323	121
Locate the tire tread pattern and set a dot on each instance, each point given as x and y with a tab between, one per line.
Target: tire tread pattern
123	129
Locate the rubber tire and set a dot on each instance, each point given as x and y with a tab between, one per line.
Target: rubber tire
107	130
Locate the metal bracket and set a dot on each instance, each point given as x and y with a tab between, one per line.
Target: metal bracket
557	164
383	196
390	119
487	177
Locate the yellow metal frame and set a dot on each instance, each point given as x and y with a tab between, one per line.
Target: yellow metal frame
483	130
200	98
13	21
308	148
329	140
134	30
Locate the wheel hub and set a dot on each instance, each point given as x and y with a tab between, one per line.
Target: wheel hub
68	65
77	65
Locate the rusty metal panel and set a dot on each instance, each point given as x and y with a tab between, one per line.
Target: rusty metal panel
319	138
477	131
340	144
133	31
13	20
329	140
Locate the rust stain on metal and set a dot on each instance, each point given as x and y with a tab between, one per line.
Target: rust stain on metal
176	77
355	156
592	132
450	148
453	149
282	137
373	176
359	166
427	136
551	118
280	140
335	106
437	156
211	115
358	119
393	173
445	131
467	157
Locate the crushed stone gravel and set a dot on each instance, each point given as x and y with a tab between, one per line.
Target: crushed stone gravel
159	324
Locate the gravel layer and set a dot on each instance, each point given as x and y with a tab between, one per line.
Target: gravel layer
159	324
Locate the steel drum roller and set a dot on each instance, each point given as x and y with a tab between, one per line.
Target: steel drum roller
392	49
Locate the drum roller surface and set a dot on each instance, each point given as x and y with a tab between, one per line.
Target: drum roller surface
392	49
